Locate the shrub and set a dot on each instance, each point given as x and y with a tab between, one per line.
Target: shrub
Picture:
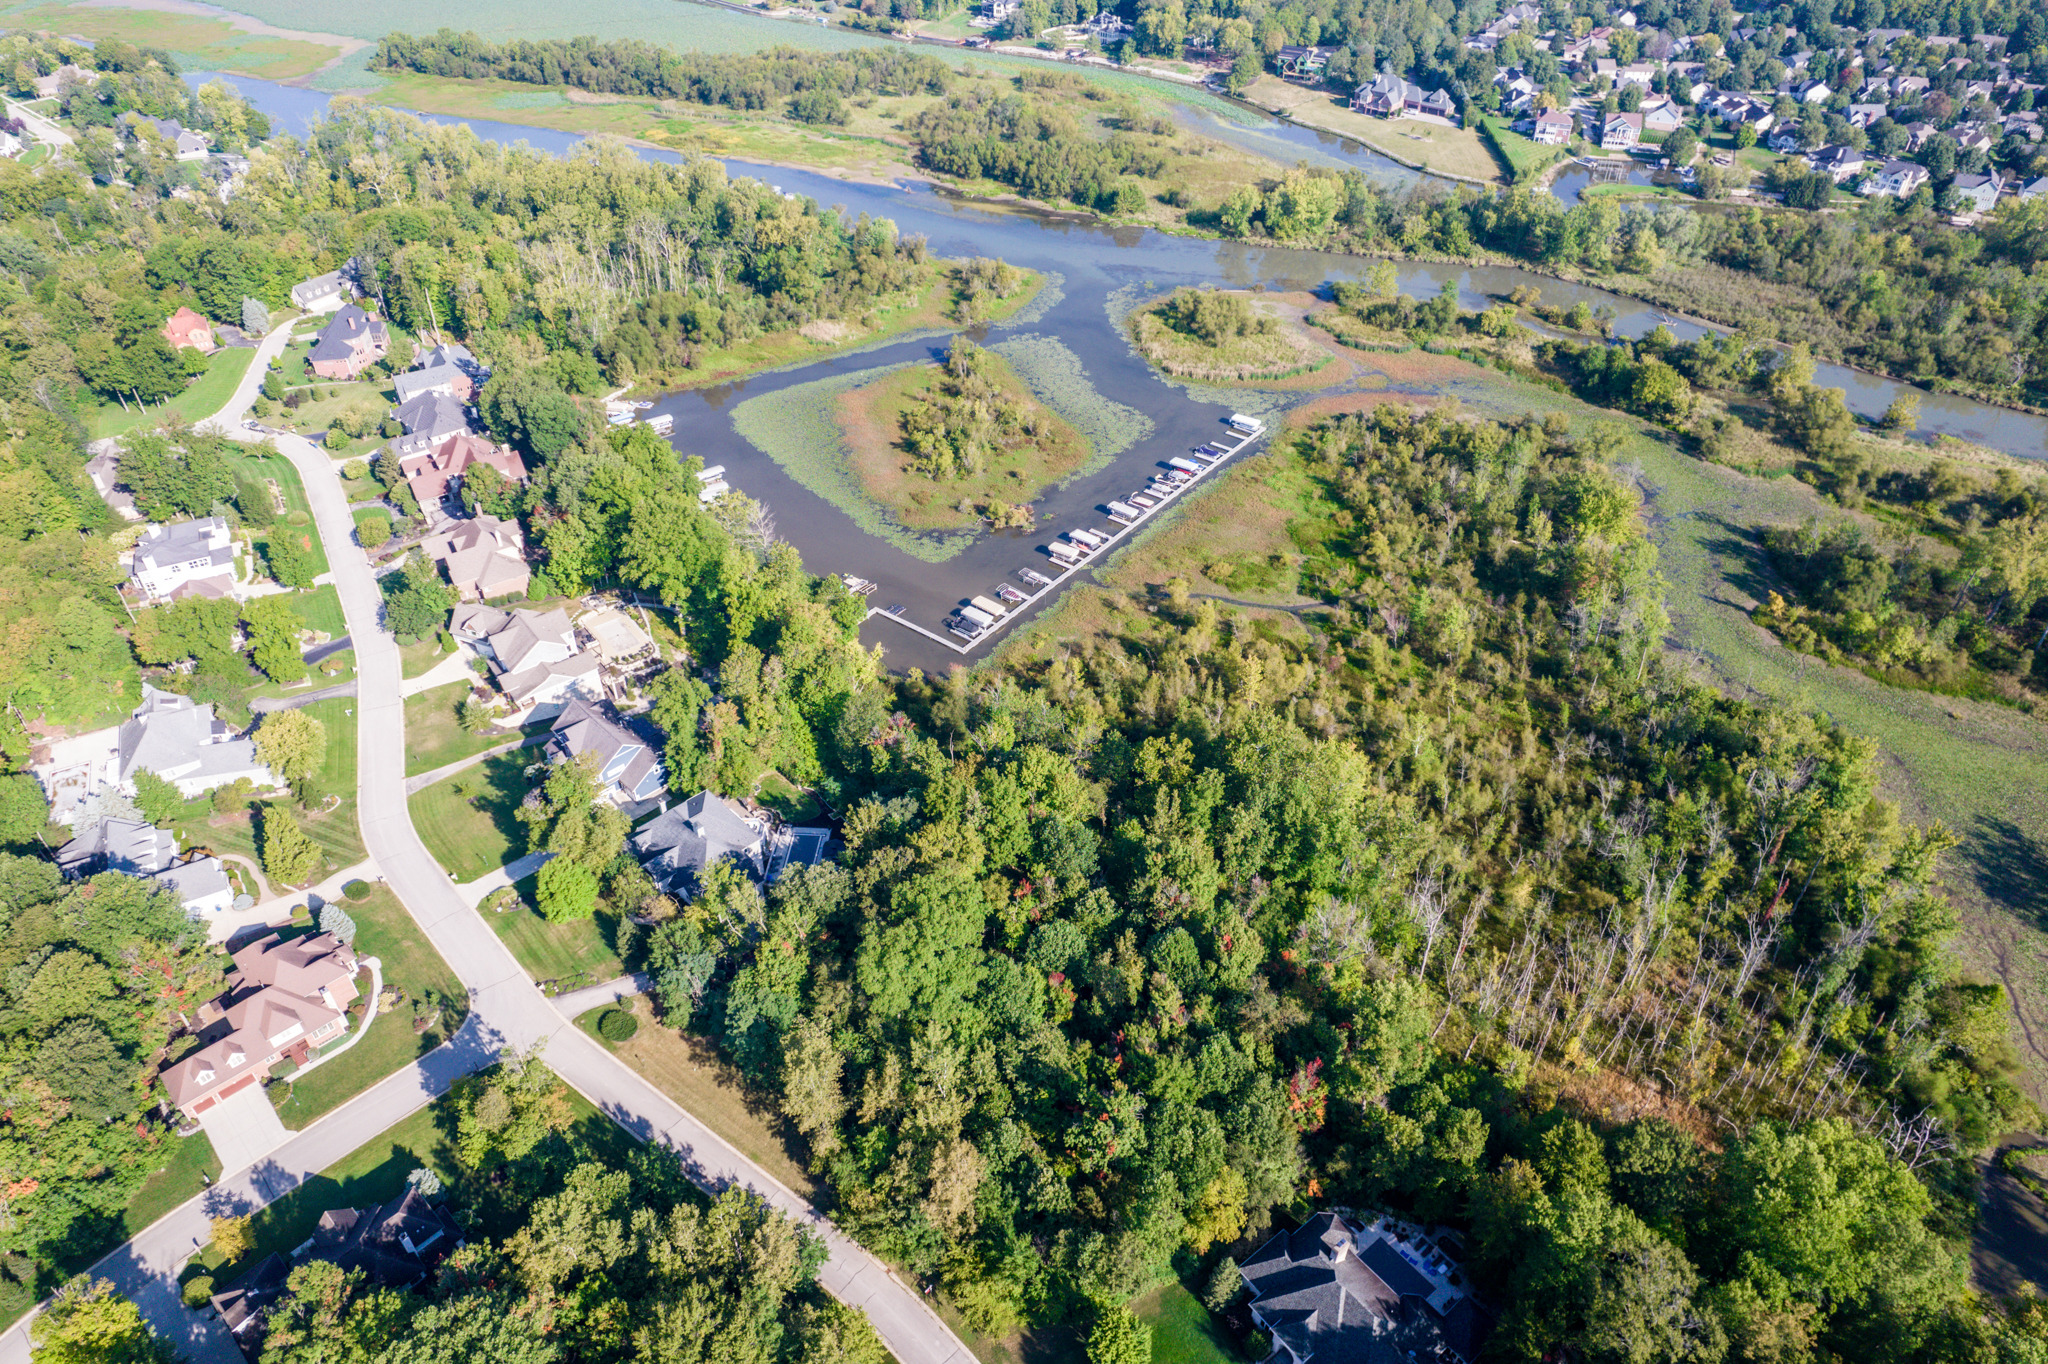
336	438
357	890
197	1291
355	470
617	1025
373	531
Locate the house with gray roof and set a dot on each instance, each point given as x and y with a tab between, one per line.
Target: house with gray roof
134	846
323	293
184	743
685	842
429	419
535	657
628	762
104	469
448	368
1339	1293
348	345
186	557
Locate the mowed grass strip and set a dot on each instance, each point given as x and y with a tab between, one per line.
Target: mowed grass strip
200	399
467	821
563	956
384	930
434	736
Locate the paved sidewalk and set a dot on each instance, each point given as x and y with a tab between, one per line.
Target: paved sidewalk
264	705
578	1002
414	785
454	668
474	892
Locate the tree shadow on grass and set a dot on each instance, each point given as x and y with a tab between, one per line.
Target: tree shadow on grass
2010	866
1740	558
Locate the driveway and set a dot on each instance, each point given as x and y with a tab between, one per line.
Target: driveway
243	1128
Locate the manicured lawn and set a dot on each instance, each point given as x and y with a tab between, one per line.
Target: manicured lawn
297	517
320	608
421	656
201	398
1183	1332
567	956
467	821
333	829
689	1071
434	736
1524	156
384	930
785	798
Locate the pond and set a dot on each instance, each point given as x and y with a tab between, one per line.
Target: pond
1087	263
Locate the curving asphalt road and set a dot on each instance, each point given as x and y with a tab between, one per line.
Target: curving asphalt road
506	1009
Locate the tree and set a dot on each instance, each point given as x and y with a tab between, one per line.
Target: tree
290	857
337	920
87	1322
23	810
1226	1281
288	555
256	322
1904	412
1745	136
233	1237
373	530
416	600
504	1113
274	626
567	890
159	800
1119	1337
292	744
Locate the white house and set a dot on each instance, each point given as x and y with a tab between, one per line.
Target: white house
1899	179
1553	127
189	556
182	742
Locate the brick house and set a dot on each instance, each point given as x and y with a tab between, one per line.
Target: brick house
351	343
284	999
187	328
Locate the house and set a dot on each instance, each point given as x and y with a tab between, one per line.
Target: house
433	473
485	558
1305	63
175	561
242	1305
182	742
133	846
1661	117
227	171
1388	96
283	999
1917	133
1616	132
1517	90
187	328
1785	139
395	1245
685	842
534	656
1840	163
447	368
1863	115
428	420
995	13
1553	127
323	293
104	469
1899	179
1108	26
67	75
201	884
2033	189
1637	74
1812	92
1340	1293
350	344
1976	193
628	765
185	144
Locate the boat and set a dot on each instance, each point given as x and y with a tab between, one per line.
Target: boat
1090	538
977	616
620	419
896	610
713	490
860	587
1064	552
1186	466
1251	426
1011	594
713	472
661	425
989	607
644	404
962	627
1129	518
1034	577
1124	511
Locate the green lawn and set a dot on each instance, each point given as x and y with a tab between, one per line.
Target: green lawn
334	830
434	737
467	821
384	930
320	608
202	397
786	798
1524	156
1183	1332
298	516
569	955
422	656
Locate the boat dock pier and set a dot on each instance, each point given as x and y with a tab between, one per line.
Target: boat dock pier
1085	546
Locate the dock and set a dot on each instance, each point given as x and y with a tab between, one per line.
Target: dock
1160	493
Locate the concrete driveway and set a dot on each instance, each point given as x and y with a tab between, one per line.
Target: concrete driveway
243	1129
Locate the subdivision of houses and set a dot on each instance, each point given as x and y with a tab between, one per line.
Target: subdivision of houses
484	558
349	344
284	999
185	558
136	848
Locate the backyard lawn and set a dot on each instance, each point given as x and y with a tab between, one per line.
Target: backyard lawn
567	956
1183	1332
320	608
434	735
384	930
467	821
688	1071
202	397
297	516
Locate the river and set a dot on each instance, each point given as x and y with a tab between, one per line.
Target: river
1090	261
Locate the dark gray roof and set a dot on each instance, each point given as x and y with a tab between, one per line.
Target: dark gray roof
684	842
625	759
129	845
350	322
427	418
173	737
195	880
242	1303
1324	1301
394	1245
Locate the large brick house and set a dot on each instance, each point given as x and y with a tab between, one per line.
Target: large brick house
350	344
284	999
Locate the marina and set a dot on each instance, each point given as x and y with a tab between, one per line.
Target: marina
981	618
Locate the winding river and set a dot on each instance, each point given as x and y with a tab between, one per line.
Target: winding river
1088	262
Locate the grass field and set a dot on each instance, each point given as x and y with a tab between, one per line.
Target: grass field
320	608
421	656
1183	1332
202	397
199	42
689	1072
871	427
384	930
1431	146
297	517
1524	156
333	829
565	956
434	737
1277	354
467	821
